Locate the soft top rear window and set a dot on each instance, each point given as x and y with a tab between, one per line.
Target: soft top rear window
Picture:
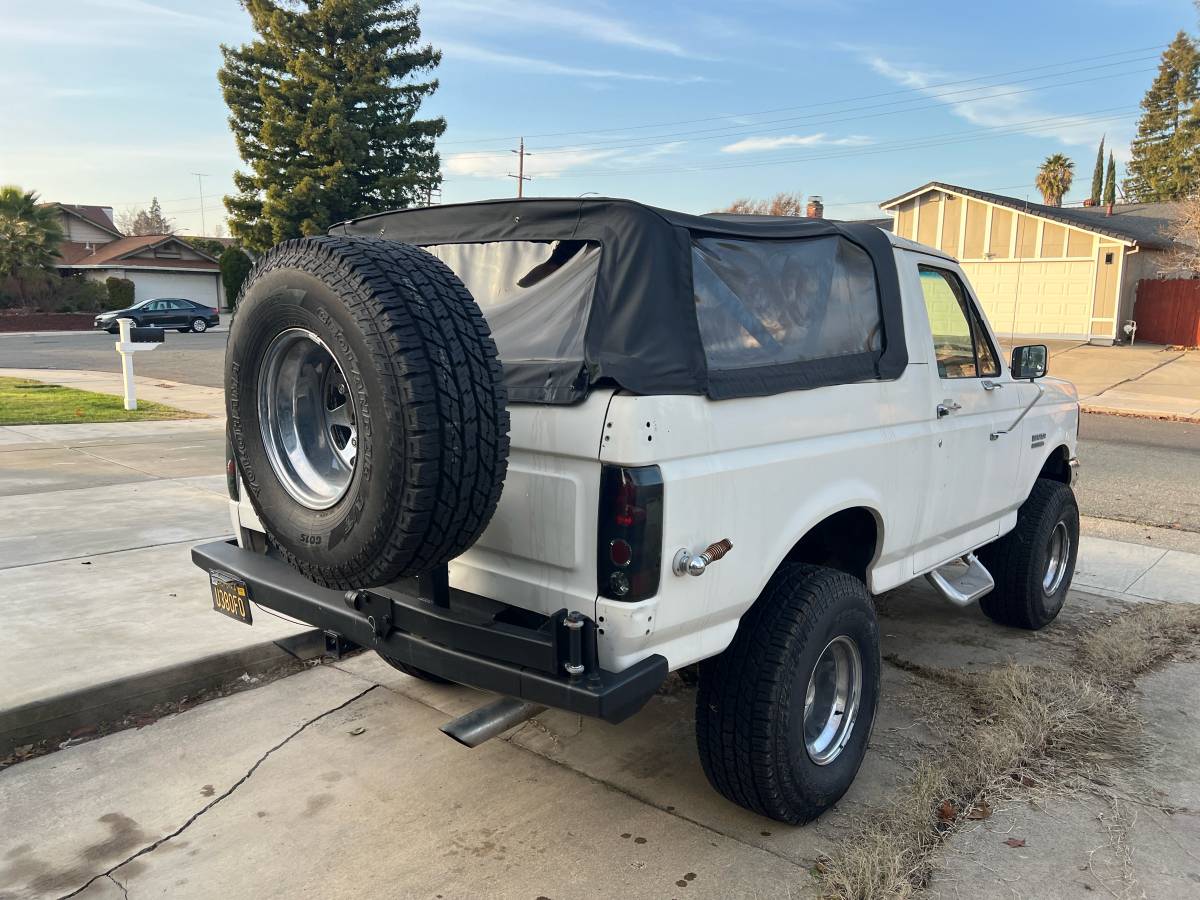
765	303
535	295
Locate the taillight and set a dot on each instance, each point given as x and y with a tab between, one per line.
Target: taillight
629	551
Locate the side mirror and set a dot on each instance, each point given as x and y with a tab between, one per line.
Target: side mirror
1029	361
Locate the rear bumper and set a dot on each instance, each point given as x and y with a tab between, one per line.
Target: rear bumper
471	640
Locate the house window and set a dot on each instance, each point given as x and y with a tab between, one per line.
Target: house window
167	252
1108	259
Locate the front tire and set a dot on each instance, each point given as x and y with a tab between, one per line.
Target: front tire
784	714
199	326
1034	563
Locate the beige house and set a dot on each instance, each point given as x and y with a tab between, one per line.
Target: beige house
1041	271
159	265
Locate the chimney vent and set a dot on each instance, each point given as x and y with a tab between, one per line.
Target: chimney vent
816	209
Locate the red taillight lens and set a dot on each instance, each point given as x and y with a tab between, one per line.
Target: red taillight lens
630	532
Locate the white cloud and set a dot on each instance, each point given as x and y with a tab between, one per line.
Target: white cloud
545	17
992	105
556	163
820	139
541	66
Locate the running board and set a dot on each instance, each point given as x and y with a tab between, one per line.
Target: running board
963	581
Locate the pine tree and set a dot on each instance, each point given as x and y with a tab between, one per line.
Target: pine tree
1110	182
1164	162
323	107
1098	174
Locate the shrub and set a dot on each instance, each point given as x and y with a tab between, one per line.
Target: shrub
43	291
235	266
120	293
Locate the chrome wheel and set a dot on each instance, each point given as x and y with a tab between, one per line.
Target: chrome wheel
308	419
832	700
1058	553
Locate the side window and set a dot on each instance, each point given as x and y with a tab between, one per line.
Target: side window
157	306
960	341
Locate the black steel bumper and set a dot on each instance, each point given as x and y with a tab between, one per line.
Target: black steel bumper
549	660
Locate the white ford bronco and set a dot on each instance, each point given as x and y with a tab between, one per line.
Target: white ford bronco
556	449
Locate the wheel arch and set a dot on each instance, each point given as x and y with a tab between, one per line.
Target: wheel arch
1056	466
847	538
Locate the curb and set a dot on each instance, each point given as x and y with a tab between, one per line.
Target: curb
1139	414
56	717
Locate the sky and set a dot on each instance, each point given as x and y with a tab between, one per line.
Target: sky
687	104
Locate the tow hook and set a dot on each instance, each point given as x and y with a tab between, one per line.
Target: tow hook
687	564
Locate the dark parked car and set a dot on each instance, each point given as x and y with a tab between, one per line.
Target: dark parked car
165	312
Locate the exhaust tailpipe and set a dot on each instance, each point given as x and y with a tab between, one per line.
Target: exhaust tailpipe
485	723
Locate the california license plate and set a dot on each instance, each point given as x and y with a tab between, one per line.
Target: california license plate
230	596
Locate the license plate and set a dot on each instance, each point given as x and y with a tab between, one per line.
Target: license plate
230	596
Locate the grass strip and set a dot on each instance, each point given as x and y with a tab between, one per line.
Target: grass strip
24	402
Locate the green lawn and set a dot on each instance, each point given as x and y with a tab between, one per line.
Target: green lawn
34	403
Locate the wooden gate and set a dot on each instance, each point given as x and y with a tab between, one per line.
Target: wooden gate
1167	311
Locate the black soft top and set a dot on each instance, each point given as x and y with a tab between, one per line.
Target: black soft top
642	332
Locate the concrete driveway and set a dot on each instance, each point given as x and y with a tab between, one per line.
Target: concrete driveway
336	782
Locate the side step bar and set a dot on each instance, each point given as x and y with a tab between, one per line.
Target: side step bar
963	581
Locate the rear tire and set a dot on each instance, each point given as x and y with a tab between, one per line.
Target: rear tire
759	709
199	326
385	442
1034	563
415	672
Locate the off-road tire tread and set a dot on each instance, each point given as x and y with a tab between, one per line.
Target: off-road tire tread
444	394
1016	599
742	690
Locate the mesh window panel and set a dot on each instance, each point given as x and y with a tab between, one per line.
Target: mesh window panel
776	302
535	295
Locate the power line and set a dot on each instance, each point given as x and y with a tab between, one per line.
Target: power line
889	109
810	106
1032	126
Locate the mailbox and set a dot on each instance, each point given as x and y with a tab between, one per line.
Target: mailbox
133	339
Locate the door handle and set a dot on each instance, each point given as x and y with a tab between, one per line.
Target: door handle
992	385
946	407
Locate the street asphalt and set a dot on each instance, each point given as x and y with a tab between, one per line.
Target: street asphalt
189	358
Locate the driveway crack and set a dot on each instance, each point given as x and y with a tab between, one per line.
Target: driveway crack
149	848
124	890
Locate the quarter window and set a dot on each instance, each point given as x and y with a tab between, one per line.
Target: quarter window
960	341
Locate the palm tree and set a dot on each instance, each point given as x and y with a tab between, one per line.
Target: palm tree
29	233
1054	178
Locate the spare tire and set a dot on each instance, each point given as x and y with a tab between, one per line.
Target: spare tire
366	409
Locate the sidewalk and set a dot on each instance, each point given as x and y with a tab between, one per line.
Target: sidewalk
1144	380
103	610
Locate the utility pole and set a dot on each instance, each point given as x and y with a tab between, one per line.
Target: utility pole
521	176
200	176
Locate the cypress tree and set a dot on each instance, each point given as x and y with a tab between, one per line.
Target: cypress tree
323	107
1098	174
1110	181
1164	163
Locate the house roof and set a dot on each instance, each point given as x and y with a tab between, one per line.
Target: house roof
1133	223
118	254
94	215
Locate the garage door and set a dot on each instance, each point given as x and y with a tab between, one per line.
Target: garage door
198	286
1039	298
